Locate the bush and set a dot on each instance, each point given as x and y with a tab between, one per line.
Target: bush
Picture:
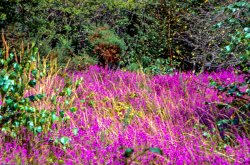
20	119
235	115
108	47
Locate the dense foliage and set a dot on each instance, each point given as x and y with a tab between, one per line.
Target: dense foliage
197	35
19	117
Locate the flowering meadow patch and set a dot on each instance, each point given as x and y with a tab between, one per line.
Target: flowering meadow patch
131	118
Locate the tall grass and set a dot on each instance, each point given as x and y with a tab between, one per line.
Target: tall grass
119	110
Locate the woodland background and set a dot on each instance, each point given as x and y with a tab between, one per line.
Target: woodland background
156	35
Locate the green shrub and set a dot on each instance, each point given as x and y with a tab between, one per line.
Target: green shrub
107	45
20	72
236	123
81	62
161	66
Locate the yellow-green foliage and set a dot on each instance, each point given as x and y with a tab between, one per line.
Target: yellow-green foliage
129	4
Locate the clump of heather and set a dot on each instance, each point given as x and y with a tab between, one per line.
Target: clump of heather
132	118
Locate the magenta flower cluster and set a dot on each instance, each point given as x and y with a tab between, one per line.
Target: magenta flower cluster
120	109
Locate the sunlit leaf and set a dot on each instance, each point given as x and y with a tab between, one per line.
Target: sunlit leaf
128	152
68	91
73	109
228	48
156	150
247	35
38	129
54	117
64	140
75	131
213	83
247	29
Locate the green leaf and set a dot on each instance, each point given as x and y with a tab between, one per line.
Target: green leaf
11	55
40	96
2	61
218	25
13	75
31	109
248	91
156	150
222	122
128	152
230	91
206	134
75	131
247	36
78	82
68	91
67	117
42	121
32	83
33	44
38	129
240	4
35	50
32	98
9	101
64	140
17	124
235	121
34	72
213	83
16	66
220	88
247	29
41	74
54	117
61	112
239	94
53	100
13	134
66	102
228	48
31	125
56	141
73	109
6	77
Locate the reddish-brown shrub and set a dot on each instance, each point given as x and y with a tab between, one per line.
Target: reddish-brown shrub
107	46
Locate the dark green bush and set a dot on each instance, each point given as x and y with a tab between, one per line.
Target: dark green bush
197	34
